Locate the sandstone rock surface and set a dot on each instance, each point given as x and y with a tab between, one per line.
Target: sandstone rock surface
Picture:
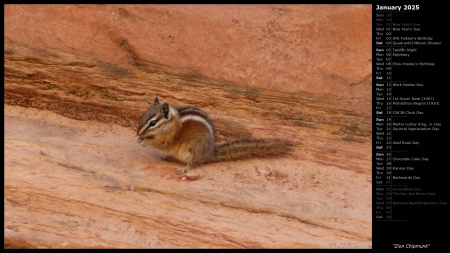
77	79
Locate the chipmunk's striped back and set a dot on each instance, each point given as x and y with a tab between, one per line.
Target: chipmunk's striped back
192	113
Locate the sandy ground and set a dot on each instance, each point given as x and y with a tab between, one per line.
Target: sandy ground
72	183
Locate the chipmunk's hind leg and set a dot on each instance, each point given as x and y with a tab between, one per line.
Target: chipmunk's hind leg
184	169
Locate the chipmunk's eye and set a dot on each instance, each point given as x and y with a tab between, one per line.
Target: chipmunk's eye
153	122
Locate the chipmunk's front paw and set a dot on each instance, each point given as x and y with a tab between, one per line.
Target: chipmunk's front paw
140	140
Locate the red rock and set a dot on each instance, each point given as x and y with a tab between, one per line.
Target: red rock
78	77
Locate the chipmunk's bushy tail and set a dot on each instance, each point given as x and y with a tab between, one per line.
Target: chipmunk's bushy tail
244	149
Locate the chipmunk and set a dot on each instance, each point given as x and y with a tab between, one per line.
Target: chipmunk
188	134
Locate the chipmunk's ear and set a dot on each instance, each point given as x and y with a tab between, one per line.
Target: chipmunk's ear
156	101
165	110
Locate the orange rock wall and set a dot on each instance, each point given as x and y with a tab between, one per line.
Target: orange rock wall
294	48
